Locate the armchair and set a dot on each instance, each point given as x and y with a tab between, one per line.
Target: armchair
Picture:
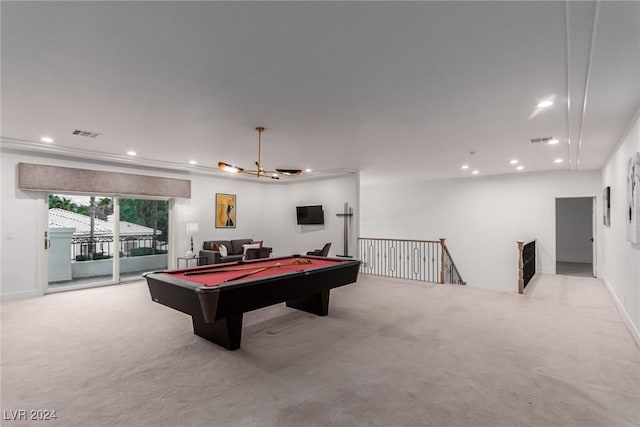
321	252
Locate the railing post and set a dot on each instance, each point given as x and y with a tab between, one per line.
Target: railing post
520	267
442	261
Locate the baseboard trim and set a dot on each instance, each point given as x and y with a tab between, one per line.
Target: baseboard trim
625	316
18	295
575	260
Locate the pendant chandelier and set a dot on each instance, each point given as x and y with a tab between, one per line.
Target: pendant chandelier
259	171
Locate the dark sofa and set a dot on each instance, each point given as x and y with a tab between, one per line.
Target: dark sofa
235	251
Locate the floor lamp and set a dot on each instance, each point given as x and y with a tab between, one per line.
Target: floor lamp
192	229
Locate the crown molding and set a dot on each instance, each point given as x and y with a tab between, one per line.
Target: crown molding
25	146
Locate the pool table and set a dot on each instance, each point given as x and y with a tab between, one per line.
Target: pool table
216	296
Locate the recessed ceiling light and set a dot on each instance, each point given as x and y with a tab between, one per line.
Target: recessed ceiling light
553	141
193	162
519	167
46	139
475	172
465	167
544	104
558	161
132	153
514	162
307	170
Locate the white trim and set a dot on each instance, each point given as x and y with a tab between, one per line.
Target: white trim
104	158
594	26
623	313
42	254
574	259
595	218
115	277
568	58
76	287
171	234
19	295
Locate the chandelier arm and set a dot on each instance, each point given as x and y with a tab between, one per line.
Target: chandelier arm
259	129
293	172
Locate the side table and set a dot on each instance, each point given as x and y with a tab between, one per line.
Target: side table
200	260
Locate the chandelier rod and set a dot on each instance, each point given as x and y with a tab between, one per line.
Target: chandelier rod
259	129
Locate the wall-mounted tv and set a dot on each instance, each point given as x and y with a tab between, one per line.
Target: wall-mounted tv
310	214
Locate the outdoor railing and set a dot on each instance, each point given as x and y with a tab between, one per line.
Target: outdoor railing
105	246
424	260
526	263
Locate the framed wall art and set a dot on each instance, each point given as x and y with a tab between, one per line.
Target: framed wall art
225	210
633	199
606	206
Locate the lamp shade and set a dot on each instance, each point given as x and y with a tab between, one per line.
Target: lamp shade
192	228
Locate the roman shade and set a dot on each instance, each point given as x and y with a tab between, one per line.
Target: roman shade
60	179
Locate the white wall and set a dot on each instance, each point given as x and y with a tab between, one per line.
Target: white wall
264	212
574	228
23	227
201	209
481	218
280	215
267	212
620	267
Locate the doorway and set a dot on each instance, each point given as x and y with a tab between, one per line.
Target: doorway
99	240
575	236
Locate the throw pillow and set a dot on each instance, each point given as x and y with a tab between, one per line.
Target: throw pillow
214	246
248	246
223	250
257	241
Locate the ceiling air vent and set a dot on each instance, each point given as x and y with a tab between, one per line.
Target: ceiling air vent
86	133
540	140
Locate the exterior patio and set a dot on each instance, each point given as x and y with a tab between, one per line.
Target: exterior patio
71	259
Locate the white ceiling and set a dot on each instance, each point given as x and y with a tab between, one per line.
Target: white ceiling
408	89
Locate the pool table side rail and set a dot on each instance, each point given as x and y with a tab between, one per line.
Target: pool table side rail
248	281
274	290
214	303
173	293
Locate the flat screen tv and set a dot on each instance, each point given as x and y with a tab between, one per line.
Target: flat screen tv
310	214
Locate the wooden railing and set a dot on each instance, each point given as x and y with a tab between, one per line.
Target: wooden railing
450	271
526	263
424	260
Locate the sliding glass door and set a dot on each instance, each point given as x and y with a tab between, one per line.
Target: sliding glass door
81	236
144	231
97	240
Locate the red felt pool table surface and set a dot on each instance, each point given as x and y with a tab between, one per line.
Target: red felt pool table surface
215	275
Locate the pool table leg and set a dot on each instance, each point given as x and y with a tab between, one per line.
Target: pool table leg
317	303
224	332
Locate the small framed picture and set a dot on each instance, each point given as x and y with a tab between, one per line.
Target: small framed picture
606	206
633	199
225	210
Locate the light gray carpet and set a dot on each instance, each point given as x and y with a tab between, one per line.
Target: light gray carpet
390	353
574	269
